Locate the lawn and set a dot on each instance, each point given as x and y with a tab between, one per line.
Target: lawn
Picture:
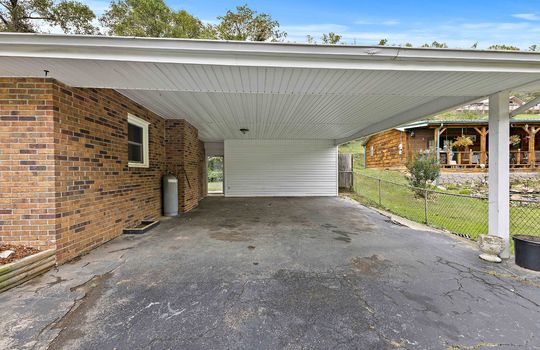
353	147
215	187
456	213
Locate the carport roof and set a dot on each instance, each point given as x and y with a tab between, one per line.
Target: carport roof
276	90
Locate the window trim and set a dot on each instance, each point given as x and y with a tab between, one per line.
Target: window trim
143	124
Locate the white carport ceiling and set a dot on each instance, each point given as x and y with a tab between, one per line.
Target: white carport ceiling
278	91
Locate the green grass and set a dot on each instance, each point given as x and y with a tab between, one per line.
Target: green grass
460	214
353	147
215	186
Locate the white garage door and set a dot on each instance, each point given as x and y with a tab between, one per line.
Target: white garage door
280	168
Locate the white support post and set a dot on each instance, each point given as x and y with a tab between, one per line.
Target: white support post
499	172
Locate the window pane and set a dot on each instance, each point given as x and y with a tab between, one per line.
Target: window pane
135	153
135	133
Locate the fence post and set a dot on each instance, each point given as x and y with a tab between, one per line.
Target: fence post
380	199
426	206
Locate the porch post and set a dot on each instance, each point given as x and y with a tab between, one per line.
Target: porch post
499	172
532	151
483	158
483	142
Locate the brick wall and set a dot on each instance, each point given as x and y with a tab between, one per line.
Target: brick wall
386	149
98	194
64	179
185	159
27	186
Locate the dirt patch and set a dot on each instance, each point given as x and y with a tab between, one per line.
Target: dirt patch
370	266
20	252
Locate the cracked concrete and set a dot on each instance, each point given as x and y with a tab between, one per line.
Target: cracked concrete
277	273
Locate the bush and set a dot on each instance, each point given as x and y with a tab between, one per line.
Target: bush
215	176
423	170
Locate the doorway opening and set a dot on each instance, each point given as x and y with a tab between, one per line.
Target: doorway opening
215	175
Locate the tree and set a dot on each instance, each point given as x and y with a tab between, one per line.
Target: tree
310	39
71	16
534	48
151	18
436	45
246	24
503	47
383	42
331	38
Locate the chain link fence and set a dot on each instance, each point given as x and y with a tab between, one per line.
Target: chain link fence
464	215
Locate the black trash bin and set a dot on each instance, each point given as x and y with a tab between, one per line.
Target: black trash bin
527	251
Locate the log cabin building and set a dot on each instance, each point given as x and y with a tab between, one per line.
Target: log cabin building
392	148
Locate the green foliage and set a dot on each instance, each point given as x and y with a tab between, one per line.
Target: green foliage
331	38
503	47
215	169
462	142
436	45
515	140
72	17
383	42
150	18
215	176
422	170
154	18
353	147
246	24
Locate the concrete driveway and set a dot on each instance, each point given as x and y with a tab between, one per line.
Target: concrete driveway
280	273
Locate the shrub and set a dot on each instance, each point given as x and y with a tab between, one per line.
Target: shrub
215	176
423	170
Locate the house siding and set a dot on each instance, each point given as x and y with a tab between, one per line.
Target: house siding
386	149
65	177
280	168
420	141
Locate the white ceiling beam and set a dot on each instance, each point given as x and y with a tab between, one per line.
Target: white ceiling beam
428	109
525	107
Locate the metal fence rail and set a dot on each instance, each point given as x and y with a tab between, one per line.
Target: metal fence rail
462	214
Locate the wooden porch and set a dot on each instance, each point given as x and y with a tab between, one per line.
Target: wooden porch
524	155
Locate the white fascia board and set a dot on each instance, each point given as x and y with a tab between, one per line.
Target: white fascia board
186	51
438	105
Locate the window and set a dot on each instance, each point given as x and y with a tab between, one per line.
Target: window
137	142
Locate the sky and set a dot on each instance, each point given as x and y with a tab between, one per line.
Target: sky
459	23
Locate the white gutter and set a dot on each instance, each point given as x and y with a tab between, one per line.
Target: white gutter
263	54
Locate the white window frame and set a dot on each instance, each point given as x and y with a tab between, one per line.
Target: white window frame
143	124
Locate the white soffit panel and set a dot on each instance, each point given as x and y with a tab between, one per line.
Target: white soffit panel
278	91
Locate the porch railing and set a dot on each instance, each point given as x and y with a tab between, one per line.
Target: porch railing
475	159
